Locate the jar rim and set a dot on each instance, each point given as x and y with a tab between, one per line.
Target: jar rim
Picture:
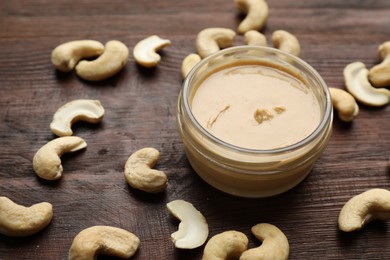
321	126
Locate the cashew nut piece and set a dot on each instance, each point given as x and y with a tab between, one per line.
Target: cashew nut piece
356	82
106	240
113	59
226	245
287	42
379	75
88	110
65	56
211	40
47	161
255	38
363	208
344	103
188	63
19	221
145	51
193	229
138	172
256	14
274	244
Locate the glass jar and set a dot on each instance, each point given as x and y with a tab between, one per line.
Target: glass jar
250	172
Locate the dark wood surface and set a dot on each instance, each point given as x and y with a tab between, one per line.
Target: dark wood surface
140	109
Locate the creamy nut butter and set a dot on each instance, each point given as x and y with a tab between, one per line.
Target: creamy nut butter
256	106
253	120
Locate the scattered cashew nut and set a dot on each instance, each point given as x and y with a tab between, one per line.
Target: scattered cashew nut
255	38
193	229
274	244
344	103
379	75
363	208
19	221
226	245
47	161
356	82
145	51
256	14
138	172
188	63
66	56
107	240
211	40
88	110
287	42
113	59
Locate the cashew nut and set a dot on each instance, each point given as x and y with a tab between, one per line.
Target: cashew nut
255	38
226	245
47	161
138	172
188	63
362	208
356	82
274	244
379	75
256	14
113	59
105	240
211	40
286	41
88	110
65	56
193	229
19	221
145	51
344	103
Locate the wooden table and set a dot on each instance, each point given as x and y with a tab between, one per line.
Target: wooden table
140	109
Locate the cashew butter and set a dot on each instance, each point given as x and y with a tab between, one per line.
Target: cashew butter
253	120
256	107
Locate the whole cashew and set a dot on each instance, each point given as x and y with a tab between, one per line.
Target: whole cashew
113	59
211	40
145	51
193	229
362	208
255	38
226	245
92	241
257	14
379	75
19	221
344	103
287	42
88	110
138	172
47	161
274	244
188	63
65	56
356	82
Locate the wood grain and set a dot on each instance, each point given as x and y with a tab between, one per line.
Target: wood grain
140	111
